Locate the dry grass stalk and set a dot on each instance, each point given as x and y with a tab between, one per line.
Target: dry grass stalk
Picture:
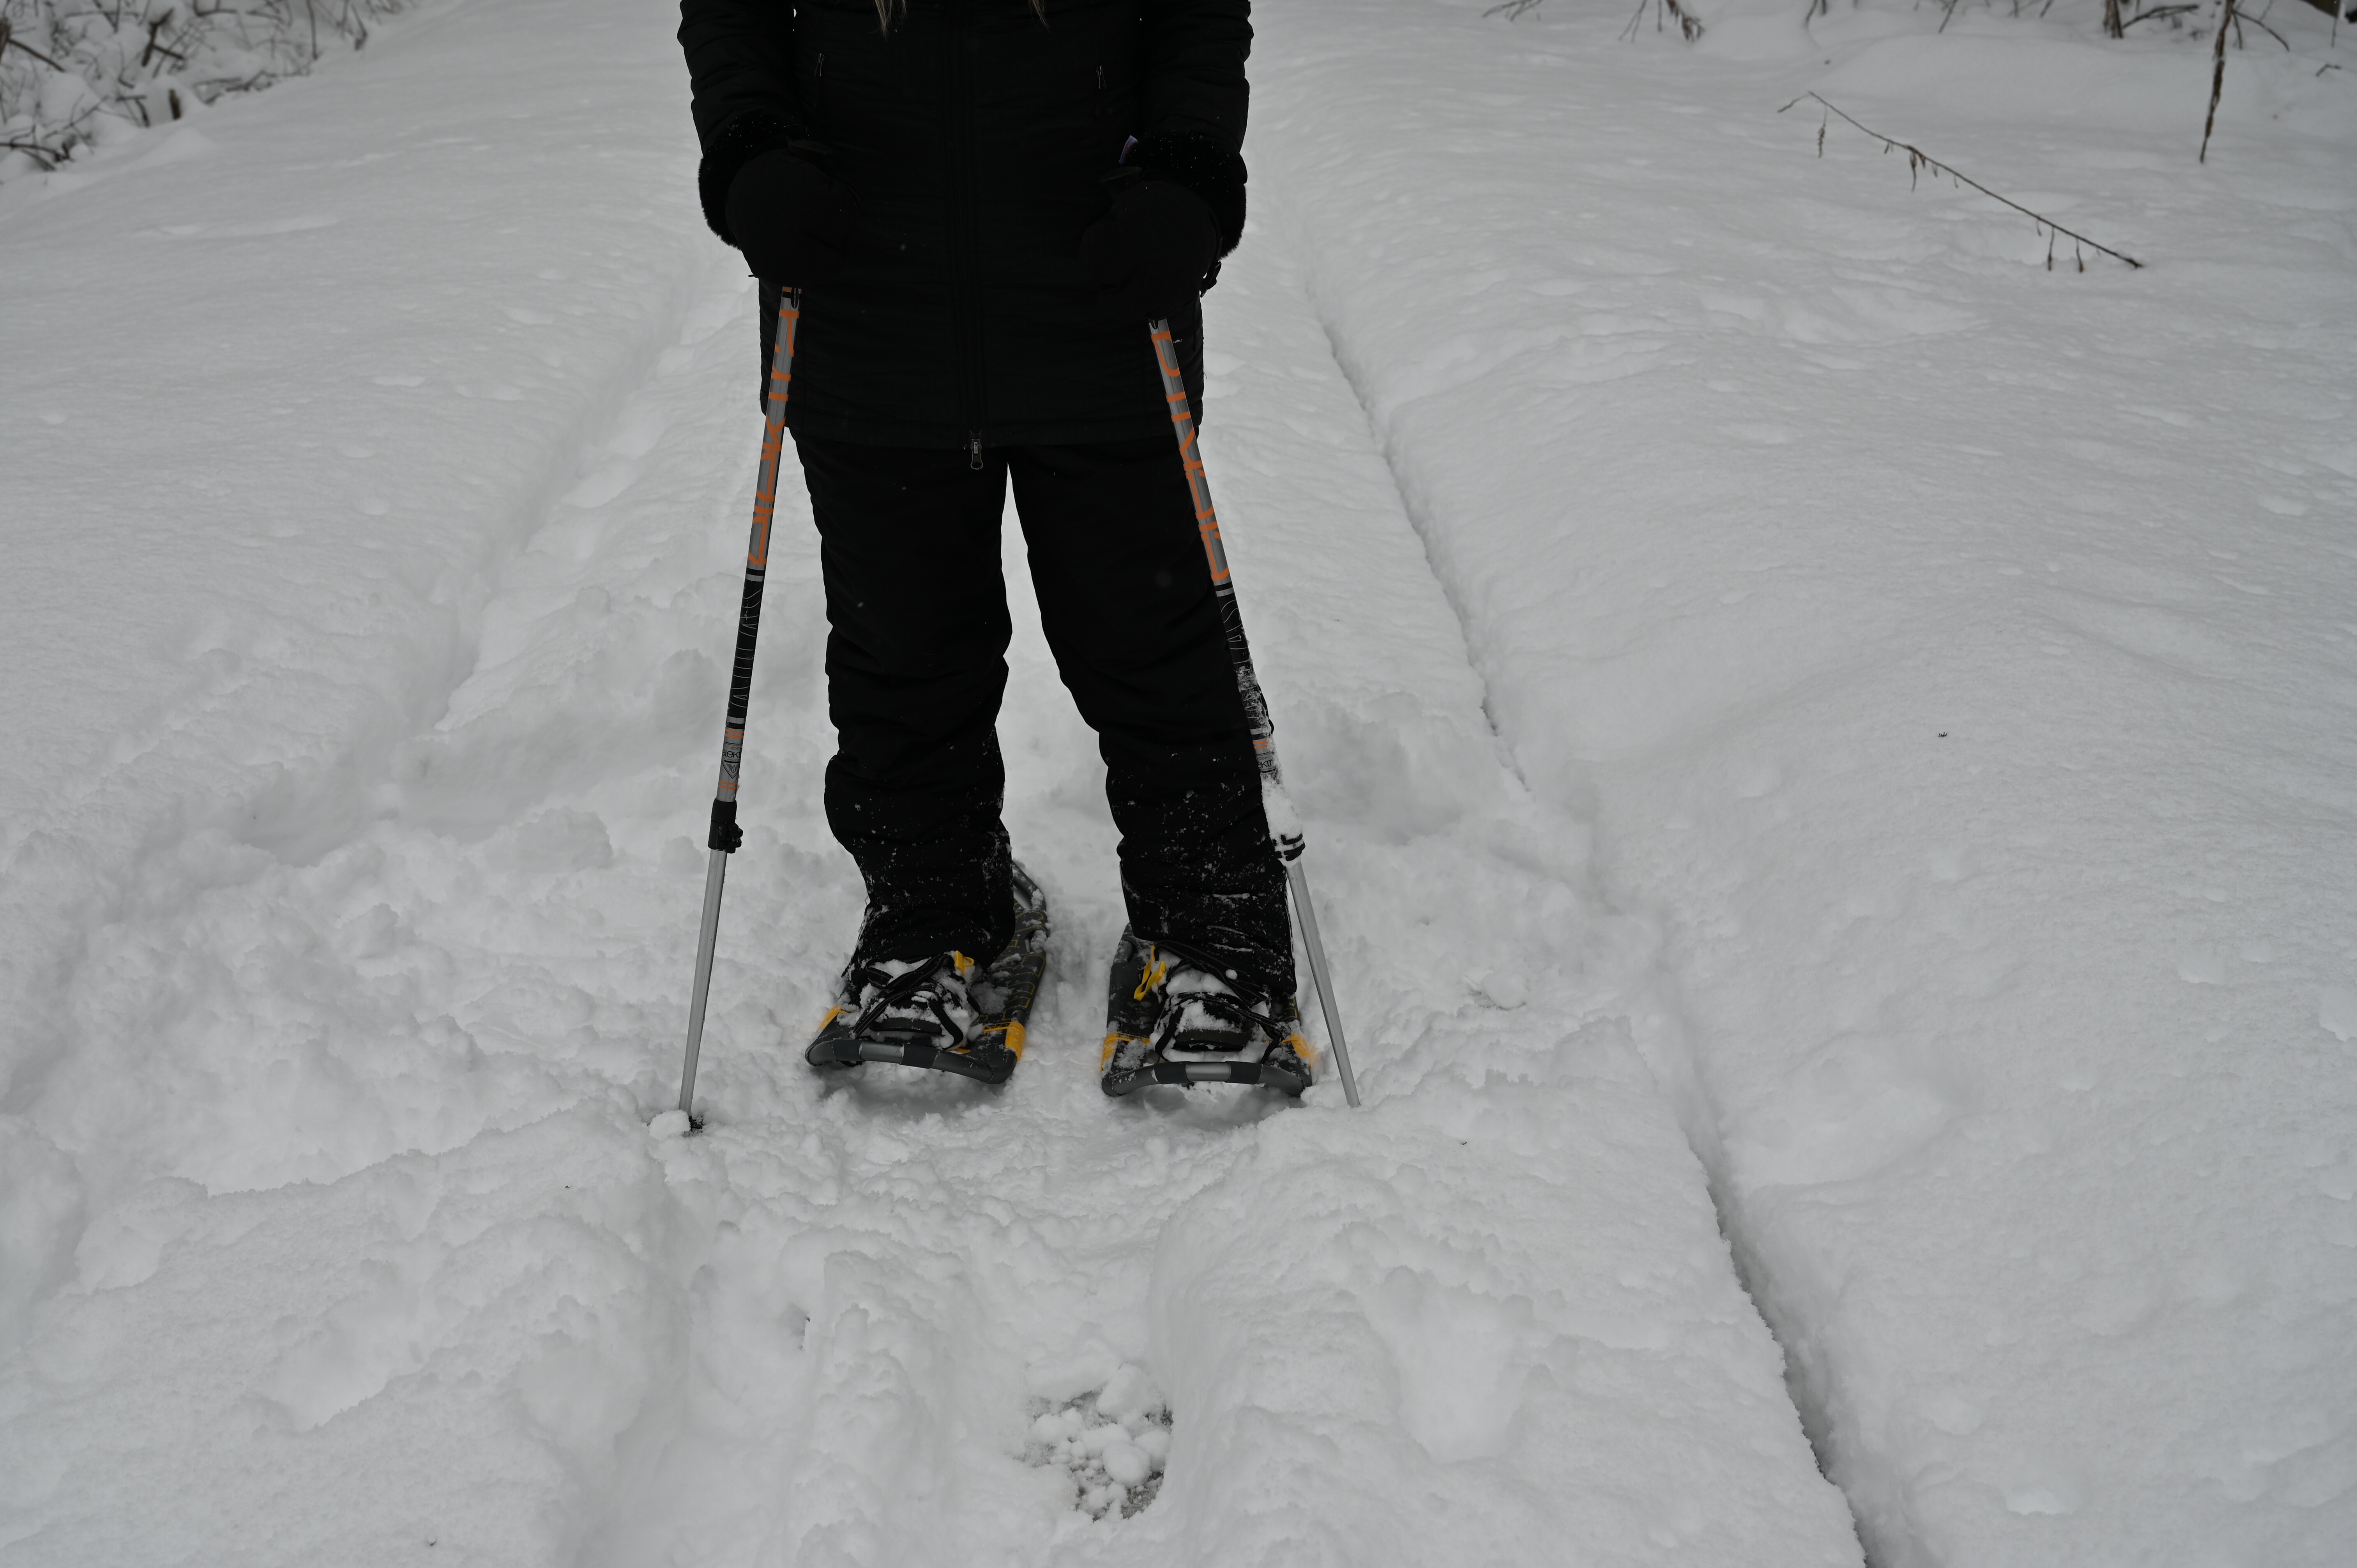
1917	160
2217	75
1689	26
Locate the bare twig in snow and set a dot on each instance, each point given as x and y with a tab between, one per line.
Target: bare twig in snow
1689	25
45	158
2217	76
9	40
2260	22
1917	160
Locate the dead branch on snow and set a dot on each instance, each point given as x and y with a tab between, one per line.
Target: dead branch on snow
1917	160
1689	25
2217	76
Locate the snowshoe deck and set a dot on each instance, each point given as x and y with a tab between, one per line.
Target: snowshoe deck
1285	1077
1004	994
1136	1044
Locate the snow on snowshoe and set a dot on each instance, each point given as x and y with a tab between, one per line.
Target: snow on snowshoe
948	1013
1171	1018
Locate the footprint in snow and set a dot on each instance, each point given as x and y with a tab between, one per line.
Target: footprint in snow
1112	1442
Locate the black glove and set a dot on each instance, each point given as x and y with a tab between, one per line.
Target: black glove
791	221
1151	252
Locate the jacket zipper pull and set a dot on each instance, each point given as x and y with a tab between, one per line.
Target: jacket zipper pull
973	451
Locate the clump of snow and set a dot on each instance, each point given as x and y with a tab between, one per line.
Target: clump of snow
1112	1442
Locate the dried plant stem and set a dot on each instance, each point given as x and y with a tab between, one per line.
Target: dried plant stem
1689	26
8	41
2217	76
1919	160
2260	22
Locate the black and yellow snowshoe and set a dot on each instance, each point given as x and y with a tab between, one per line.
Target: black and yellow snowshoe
948	1013
1172	1018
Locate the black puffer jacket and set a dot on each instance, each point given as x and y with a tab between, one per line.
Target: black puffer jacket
975	139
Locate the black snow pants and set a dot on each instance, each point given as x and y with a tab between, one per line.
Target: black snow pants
915	661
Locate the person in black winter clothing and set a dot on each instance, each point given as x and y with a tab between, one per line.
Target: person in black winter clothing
983	203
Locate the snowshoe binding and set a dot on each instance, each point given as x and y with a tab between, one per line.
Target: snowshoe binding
948	1013
1171	1018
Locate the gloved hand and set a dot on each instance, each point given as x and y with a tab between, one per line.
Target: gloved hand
1150	252
791	221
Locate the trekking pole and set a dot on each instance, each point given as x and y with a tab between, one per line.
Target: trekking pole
726	835
1284	826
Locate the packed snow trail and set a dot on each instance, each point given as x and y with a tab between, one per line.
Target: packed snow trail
352	882
1957	655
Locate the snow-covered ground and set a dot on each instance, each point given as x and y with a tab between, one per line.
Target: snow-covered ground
1958	659
1810	725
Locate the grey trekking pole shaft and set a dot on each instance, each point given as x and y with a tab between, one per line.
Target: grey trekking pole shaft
726	835
1284	826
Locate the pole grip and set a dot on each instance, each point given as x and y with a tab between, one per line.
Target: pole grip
725	835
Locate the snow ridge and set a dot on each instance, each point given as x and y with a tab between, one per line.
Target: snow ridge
1912	622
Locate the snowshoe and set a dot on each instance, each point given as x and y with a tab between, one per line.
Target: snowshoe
1171	1018
948	1013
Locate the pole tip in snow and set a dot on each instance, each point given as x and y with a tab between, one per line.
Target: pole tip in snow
675	1123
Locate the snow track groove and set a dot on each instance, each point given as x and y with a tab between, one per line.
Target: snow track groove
1918	628
1660	1027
